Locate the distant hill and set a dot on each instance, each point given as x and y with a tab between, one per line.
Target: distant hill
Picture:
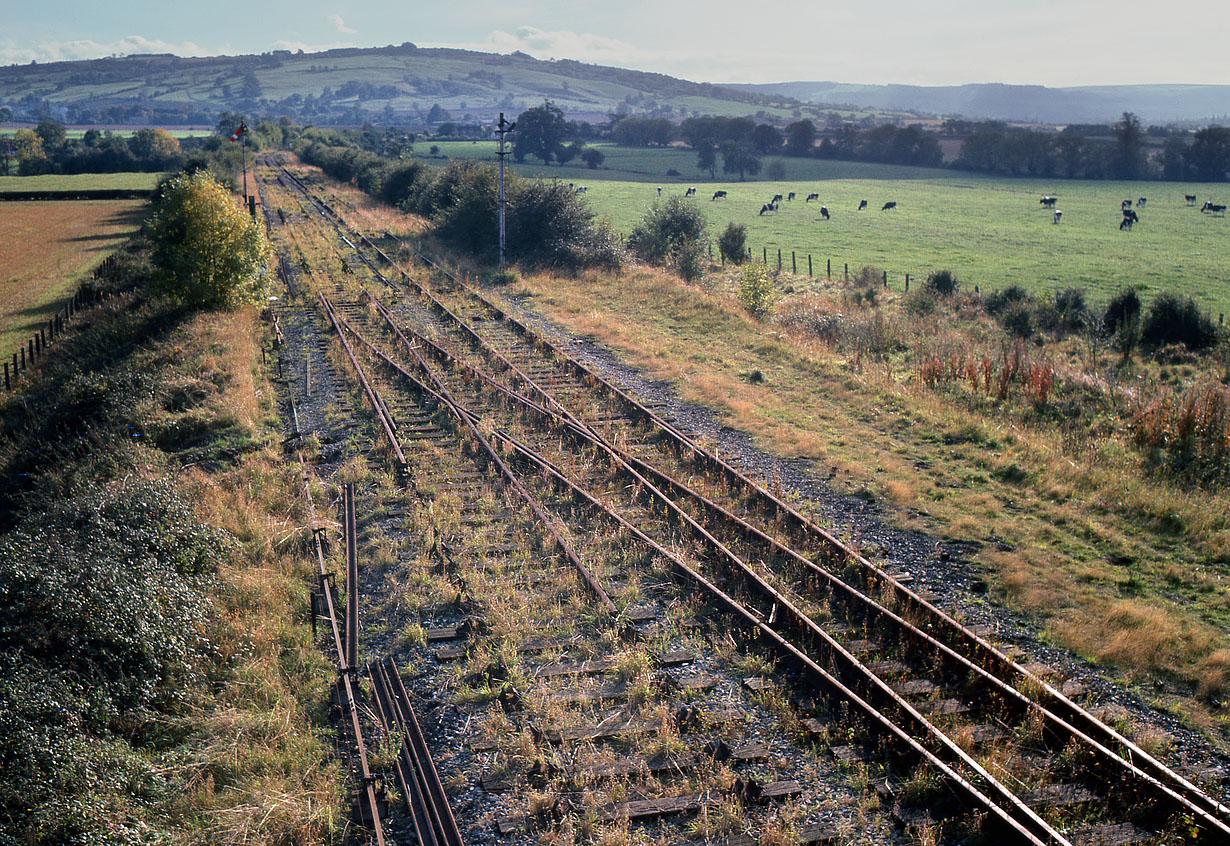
385	84
1086	104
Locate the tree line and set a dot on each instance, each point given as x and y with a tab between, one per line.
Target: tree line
1118	151
48	149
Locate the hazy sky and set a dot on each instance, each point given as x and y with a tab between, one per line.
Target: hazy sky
942	42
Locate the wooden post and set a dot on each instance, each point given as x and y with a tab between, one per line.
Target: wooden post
794	267
765	254
975	289
907	283
828	273
886	279
32	351
23	358
6	375
779	258
847	271
809	264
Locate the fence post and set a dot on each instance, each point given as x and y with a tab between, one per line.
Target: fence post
907	283
828	273
809	264
23	358
6	375
975	289
794	267
765	254
779	258
886	279
847	271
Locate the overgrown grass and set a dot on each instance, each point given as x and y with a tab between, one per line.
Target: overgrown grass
1072	524
221	744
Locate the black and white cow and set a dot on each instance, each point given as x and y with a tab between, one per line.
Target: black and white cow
718	195
862	204
768	207
1049	201
891	204
812	196
824	212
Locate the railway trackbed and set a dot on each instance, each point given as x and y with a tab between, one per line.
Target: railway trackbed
643	642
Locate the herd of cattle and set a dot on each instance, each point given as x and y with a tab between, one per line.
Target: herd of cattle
1127	207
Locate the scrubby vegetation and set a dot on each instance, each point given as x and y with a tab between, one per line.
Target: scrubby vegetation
157	682
548	225
1089	489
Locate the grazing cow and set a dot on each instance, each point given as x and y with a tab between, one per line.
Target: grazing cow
691	192
812	196
768	207
862	204
1049	201
718	195
1140	202
1126	204
889	205
583	190
1215	208
1055	217
1191	199
790	196
1129	218
777	198
659	190
824	212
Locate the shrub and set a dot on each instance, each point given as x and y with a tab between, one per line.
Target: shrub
868	276
756	289
207	251
504	277
549	226
1121	311
688	261
1071	308
999	301
943	283
464	204
1018	319
1177	320
665	227
732	243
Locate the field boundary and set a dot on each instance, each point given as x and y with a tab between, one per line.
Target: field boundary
78	194
34	348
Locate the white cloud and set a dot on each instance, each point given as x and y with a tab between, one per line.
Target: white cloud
340	25
67	51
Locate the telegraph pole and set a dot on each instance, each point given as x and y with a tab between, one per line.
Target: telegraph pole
501	129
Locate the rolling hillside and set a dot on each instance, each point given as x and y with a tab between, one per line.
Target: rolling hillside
349	86
1089	104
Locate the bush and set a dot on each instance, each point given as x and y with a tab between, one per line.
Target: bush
1072	309
943	283
732	243
665	227
464	204
1177	320
688	261
1122	310
868	276
549	226
1018	319
998	302
756	289
207	251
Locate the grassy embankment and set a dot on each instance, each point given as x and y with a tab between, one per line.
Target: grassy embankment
1070	524
166	684
991	231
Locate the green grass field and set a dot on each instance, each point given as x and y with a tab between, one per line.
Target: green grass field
78	181
991	231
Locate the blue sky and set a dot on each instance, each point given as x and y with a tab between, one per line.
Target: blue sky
942	42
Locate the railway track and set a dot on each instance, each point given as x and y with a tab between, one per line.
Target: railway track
1008	747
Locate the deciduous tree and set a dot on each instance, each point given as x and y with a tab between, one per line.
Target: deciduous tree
207	251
